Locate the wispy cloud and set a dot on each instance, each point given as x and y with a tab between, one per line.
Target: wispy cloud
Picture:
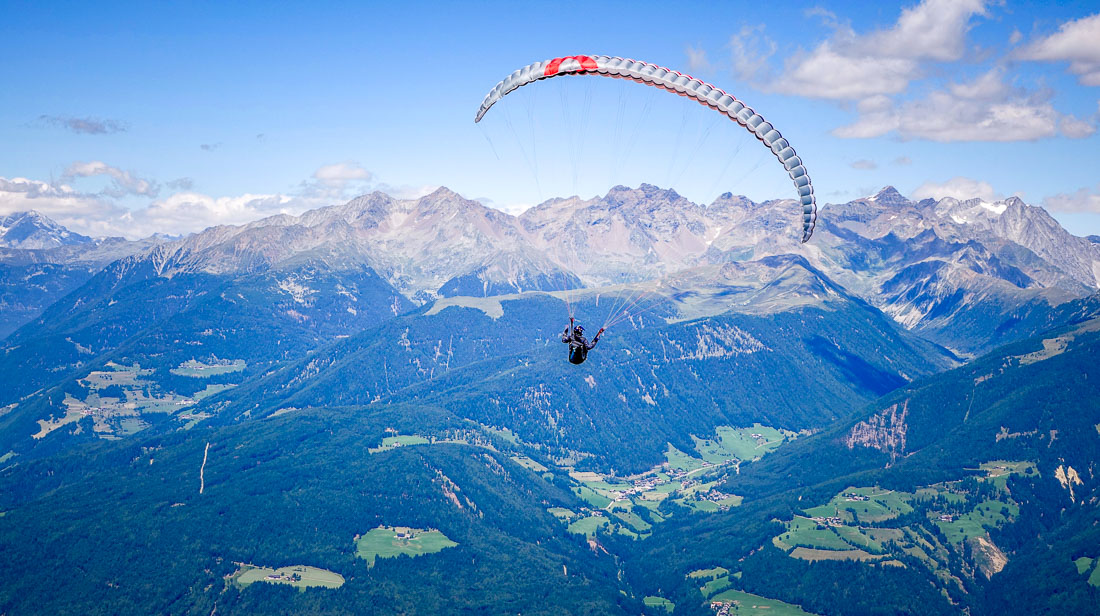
210	147
1076	42
336	181
1084	200
118	209
697	59
985	109
864	165
83	126
961	188
122	182
903	160
180	184
750	50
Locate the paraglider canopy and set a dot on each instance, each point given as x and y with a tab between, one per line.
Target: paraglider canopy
683	85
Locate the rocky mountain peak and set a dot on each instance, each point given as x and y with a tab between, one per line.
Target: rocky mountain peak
35	231
890	197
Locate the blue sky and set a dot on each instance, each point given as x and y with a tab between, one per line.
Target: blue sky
133	118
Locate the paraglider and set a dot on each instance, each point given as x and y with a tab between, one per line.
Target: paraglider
682	85
579	346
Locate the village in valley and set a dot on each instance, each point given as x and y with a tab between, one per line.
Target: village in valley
121	399
629	505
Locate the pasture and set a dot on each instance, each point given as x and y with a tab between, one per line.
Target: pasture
393	541
199	370
754	605
659	602
298	576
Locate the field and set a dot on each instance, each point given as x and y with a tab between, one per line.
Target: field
681	461
561	513
855	505
200	370
1085	564
393	442
814	554
708	574
528	463
298	576
987	514
661	602
392	541
475	438
752	442
588	526
744	603
807	533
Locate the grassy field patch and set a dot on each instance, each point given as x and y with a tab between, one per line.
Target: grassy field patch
752	442
807	533
392	541
592	497
298	576
679	460
1083	564
744	603
588	526
715	586
707	574
201	370
813	554
528	463
661	602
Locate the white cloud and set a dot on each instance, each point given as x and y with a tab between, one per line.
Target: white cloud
336	182
1076	42
340	174
697	59
985	109
80	212
931	30
750	50
188	212
97	216
1075	128
405	191
903	160
826	16
864	165
100	214
958	187
1083	200
122	182
830	73
851	66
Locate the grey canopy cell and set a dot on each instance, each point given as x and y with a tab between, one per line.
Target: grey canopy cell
677	83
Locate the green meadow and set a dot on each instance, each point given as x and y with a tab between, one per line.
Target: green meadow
393	541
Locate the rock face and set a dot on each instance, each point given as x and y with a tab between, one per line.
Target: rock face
884	431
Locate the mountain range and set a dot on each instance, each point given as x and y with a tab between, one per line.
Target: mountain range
397	363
